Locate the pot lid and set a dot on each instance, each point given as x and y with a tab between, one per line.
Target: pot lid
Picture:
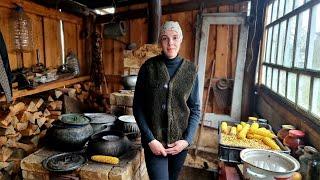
63	162
74	119
127	119
100	118
270	161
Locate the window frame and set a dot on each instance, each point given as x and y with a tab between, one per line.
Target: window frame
268	31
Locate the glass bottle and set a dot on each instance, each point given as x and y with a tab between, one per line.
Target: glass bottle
293	140
284	131
308	151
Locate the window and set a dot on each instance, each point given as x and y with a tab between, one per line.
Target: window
291	58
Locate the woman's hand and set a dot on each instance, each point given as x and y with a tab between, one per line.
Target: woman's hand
177	147
157	148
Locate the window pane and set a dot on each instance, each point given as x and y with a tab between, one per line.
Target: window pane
316	97
275	80
281	8
300	52
274	44
282	38
314	42
274	14
288	52
263	74
268	17
268	50
282	83
291	88
304	91
298	3
289	5
269	75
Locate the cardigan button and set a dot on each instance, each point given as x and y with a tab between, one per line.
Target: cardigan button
165	86
163	106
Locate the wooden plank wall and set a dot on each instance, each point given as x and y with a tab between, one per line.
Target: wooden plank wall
46	34
223	43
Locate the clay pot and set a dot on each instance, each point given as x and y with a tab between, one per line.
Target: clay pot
70	133
109	143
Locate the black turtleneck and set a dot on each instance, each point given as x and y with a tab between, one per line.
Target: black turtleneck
172	64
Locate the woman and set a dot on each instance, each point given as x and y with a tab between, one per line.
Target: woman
166	106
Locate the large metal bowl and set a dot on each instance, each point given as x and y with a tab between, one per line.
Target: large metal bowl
129	82
267	164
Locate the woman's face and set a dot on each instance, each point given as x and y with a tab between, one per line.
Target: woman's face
170	43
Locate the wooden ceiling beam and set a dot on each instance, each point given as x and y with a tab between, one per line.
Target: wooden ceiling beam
93	4
168	9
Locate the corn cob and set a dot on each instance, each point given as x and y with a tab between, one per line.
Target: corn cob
254	136
271	143
243	123
224	127
233	131
243	133
105	159
239	127
263	132
253	127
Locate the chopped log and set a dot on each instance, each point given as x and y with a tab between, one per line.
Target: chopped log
26	147
39	103
58	93
37	115
46	113
26	116
14	121
41	121
14	137
30	130
72	93
48	123
55	113
43	133
32	107
37	131
8	131
3	140
5	153
50	99
22	126
35	140
56	105
17	108
6	121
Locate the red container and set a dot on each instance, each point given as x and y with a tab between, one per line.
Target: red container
294	139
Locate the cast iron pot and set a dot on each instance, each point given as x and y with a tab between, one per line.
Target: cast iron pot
109	143
101	121
129	82
70	133
128	125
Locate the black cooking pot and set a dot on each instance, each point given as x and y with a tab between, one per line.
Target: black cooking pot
128	125
129	82
109	143
70	133
101	121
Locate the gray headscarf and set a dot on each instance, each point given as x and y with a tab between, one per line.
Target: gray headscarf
171	25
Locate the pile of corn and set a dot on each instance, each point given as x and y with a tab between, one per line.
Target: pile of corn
248	136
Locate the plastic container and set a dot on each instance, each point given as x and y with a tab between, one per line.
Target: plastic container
308	151
294	139
284	131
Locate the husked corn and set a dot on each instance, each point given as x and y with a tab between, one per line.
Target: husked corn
105	159
239	127
224	127
271	143
233	131
254	126
243	133
243	123
254	136
263	132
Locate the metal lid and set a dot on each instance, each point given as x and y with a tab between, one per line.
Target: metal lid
74	119
63	162
288	126
127	119
99	118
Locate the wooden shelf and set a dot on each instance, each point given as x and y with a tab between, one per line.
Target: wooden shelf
48	86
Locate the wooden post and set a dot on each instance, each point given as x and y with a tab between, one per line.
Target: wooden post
256	28
154	15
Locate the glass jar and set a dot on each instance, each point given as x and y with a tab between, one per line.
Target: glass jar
284	131
252	120
293	140
313	168
308	151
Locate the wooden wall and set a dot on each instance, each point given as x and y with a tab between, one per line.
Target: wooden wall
223	42
46	34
